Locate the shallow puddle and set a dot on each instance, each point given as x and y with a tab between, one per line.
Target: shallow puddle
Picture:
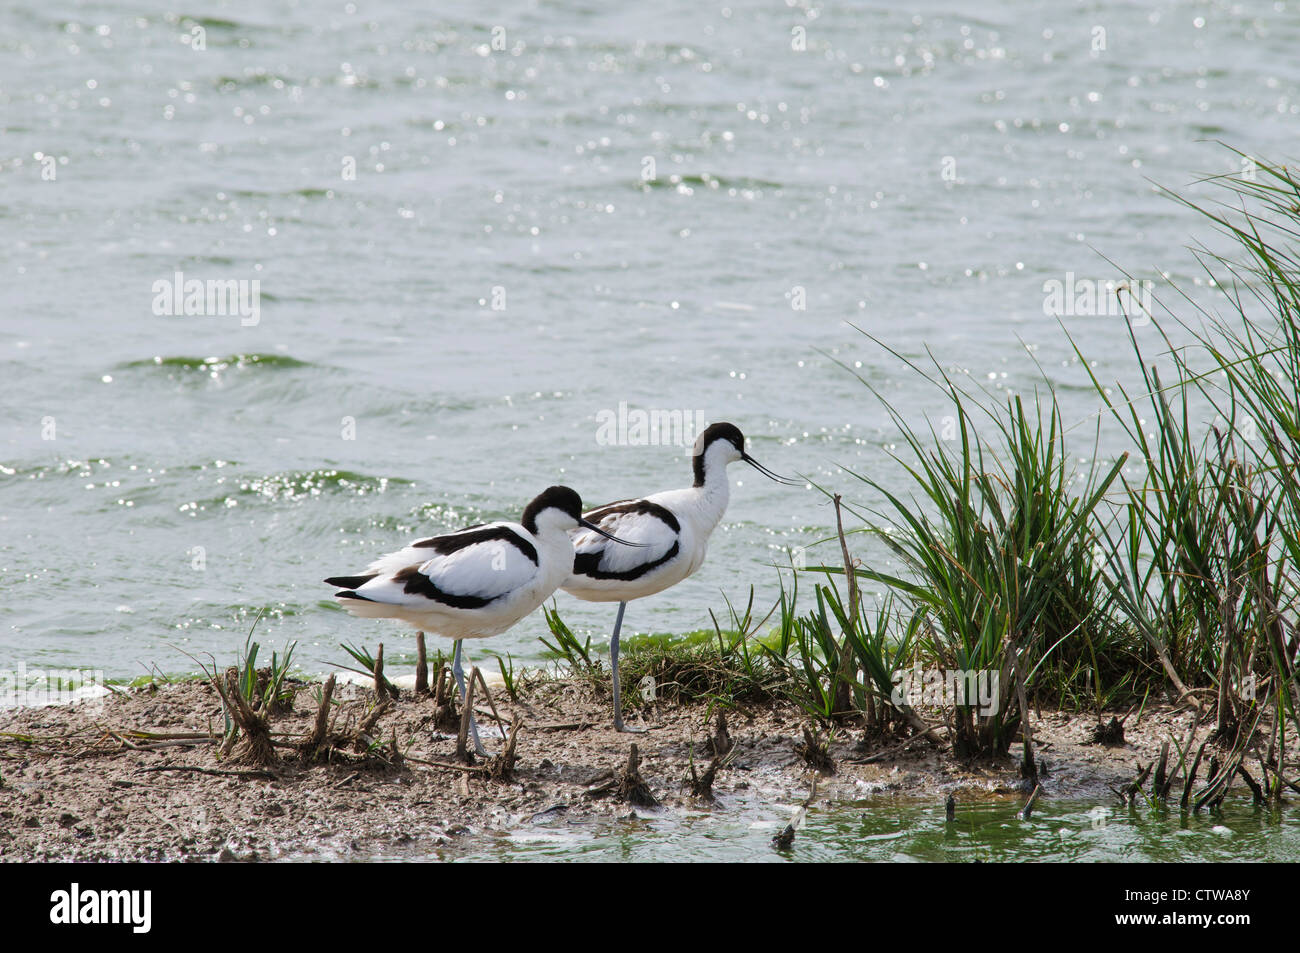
898	830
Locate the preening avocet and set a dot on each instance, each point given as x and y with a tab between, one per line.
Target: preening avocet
475	583
673	527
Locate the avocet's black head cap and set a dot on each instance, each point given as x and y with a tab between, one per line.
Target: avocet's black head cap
732	435
557	497
569	503
712	433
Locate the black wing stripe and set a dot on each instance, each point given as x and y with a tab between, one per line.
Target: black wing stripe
645	507
417	583
588	564
455	542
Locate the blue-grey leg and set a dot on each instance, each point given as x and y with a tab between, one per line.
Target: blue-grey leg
458	673
613	664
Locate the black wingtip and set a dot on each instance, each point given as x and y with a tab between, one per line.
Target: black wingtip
350	582
352	595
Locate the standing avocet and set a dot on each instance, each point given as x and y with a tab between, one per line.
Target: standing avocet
673	528
475	583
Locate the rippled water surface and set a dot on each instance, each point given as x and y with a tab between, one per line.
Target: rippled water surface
918	171
901	829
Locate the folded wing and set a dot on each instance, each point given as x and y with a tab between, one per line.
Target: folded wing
465	570
637	521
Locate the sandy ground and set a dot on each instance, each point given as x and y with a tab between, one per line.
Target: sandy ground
78	787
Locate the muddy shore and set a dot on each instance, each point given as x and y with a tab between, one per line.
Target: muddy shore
137	775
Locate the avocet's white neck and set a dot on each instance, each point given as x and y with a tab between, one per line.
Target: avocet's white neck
553	523
554	545
711	495
552	530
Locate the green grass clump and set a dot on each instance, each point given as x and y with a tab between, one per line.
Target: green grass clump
996	547
367	664
268	686
1096	586
567	646
723	665
1229	589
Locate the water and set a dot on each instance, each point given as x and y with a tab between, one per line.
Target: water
892	829
164	477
